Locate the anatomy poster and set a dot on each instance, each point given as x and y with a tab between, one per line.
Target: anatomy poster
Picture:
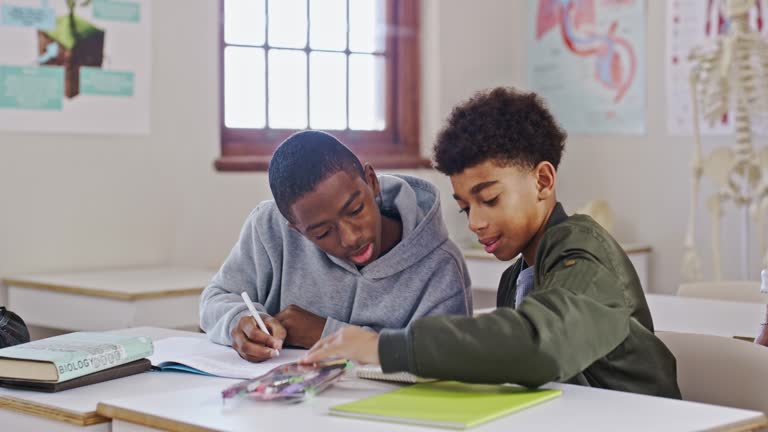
75	66
586	58
696	24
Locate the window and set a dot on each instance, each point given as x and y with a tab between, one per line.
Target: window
349	67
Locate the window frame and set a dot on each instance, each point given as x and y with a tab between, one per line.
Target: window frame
245	149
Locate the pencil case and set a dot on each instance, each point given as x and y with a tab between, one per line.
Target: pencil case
290	382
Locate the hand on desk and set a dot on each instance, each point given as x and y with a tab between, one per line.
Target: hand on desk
304	328
253	344
351	343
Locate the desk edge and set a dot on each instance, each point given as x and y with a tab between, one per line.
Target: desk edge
752	424
113	412
51	412
92	292
154	421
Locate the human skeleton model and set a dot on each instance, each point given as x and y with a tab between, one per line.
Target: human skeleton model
732	75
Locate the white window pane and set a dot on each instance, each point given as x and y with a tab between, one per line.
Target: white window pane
367	25
328	24
366	92
287	89
244	22
244	98
327	90
288	23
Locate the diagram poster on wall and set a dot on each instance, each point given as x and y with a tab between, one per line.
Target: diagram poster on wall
586	58
696	24
76	66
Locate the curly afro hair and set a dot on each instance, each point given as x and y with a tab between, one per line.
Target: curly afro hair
505	125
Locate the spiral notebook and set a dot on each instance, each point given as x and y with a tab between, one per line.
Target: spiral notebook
373	372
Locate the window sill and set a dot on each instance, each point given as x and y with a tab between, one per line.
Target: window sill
261	163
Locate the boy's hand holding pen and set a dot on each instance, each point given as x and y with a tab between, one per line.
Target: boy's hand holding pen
255	338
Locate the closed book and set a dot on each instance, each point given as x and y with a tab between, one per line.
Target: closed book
69	356
124	370
446	404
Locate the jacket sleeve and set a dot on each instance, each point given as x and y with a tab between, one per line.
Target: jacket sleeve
247	268
575	317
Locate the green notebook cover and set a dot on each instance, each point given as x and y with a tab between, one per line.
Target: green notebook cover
446	404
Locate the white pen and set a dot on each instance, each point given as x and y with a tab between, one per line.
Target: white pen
256	315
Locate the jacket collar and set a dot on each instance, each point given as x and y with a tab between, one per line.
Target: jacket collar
558	215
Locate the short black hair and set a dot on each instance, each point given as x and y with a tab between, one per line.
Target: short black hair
302	161
503	124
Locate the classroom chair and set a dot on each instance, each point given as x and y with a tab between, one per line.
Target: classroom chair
720	370
743	291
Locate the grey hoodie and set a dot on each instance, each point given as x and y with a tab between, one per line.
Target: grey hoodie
424	274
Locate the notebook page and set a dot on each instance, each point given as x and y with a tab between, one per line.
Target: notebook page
218	360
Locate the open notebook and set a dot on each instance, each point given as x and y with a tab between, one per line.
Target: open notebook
201	356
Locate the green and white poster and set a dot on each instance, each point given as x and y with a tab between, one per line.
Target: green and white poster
78	66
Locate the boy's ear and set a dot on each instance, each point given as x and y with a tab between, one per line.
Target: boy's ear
292	225
371	179
546	177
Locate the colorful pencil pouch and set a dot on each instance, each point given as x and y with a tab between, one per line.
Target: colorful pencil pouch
291	382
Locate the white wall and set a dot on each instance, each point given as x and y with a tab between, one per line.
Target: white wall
85	201
646	180
214	205
466	48
74	202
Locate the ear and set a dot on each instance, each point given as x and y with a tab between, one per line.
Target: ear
294	227
371	179
546	177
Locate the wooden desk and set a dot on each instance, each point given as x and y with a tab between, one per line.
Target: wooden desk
109	299
185	402
75	410
705	316
579	408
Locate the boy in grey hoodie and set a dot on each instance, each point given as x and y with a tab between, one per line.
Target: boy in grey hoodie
339	245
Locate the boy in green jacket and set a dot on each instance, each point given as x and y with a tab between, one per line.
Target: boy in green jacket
571	309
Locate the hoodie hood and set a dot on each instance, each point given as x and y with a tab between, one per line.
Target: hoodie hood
417	203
